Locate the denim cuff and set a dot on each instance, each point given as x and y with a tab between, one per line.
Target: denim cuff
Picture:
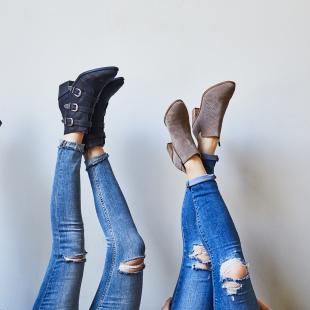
95	160
206	156
202	178
71	145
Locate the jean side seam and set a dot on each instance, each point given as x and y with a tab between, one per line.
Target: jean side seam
114	251
180	278
58	235
204	239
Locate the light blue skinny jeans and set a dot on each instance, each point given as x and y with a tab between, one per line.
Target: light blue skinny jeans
121	283
211	246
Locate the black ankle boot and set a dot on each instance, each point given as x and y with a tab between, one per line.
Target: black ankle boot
77	99
96	135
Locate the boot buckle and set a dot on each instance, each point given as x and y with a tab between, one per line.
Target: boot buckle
68	121
74	107
76	92
71	106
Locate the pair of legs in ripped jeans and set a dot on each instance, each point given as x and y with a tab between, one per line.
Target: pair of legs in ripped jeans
214	274
121	283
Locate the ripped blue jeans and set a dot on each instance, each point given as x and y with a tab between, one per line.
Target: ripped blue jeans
121	283
214	274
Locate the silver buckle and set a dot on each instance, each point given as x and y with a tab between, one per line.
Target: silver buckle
74	107
66	121
78	93
71	106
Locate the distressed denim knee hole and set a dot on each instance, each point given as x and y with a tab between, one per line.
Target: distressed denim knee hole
79	258
132	266
201	257
233	271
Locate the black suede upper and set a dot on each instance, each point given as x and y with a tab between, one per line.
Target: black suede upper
77	99
96	135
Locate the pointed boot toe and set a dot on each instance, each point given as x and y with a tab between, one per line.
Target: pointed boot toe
96	78
208	119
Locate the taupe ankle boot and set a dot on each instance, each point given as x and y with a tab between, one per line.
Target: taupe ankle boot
207	120
183	146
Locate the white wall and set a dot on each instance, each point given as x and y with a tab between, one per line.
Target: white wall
166	50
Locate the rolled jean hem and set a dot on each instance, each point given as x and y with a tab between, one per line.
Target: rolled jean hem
71	145
201	179
206	156
95	160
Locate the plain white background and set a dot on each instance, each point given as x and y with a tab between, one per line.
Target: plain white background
165	50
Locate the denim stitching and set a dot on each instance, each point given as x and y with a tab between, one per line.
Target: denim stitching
58	244
107	217
204	240
181	277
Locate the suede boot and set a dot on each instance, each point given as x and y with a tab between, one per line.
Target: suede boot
207	120
96	135
77	99
182	147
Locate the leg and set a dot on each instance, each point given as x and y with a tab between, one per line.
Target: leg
231	282
61	285
121	283
232	288
194	287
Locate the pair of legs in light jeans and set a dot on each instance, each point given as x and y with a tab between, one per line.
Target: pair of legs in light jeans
214	274
83	105
121	283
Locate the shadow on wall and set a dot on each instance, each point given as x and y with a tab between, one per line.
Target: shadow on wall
156	188
26	196
263	199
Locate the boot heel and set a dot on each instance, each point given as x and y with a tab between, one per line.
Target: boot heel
195	113
175	157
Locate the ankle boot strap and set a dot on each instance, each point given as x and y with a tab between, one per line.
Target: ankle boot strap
77	107
70	122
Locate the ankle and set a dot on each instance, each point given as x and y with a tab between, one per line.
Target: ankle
194	167
207	145
93	152
76	137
